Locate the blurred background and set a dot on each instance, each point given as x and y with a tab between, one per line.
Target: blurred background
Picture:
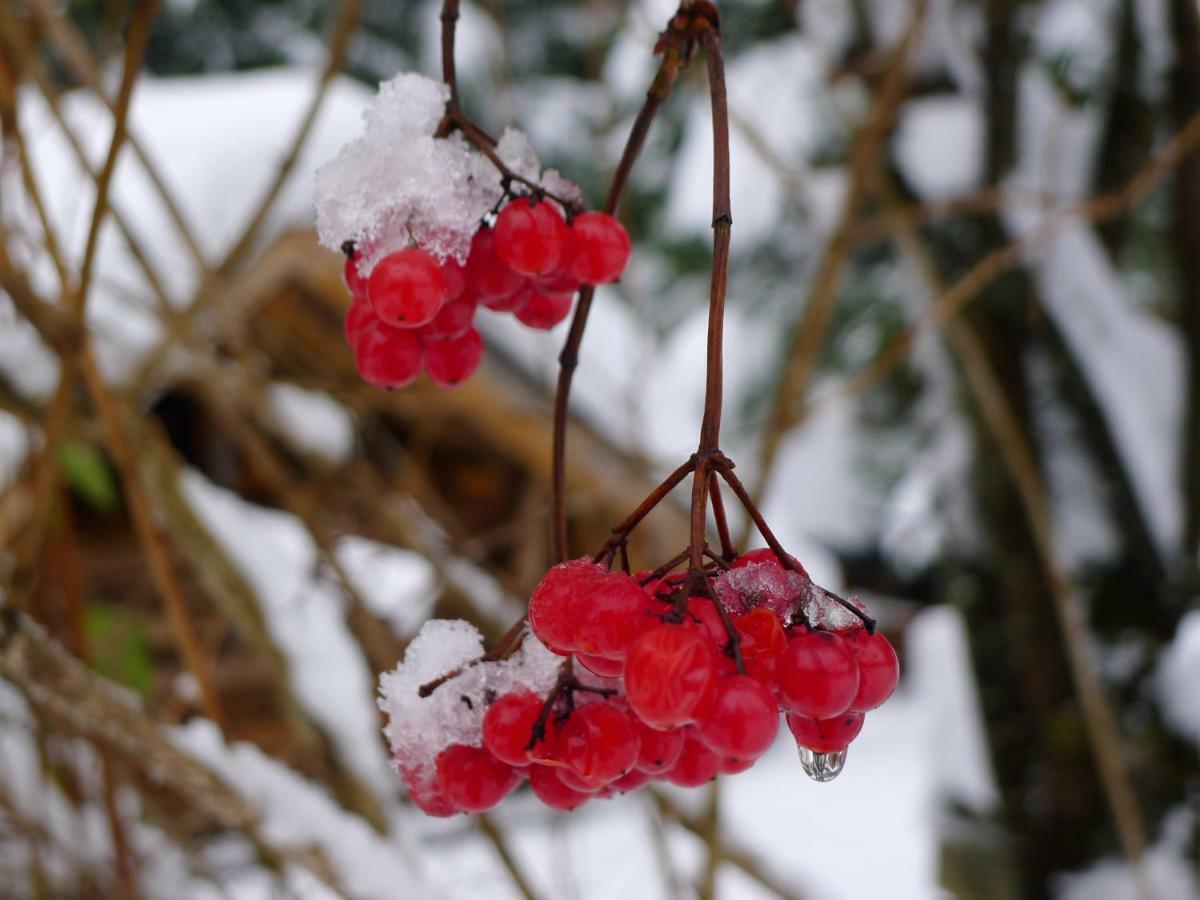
963	375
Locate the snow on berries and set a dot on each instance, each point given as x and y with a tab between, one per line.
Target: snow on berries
434	230
623	680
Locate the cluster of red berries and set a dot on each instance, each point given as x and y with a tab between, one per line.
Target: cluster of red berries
413	312
658	693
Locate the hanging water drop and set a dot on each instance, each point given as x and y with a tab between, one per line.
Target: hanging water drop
822	766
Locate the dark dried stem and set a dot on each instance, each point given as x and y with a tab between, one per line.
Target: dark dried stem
728	551
508	645
655	497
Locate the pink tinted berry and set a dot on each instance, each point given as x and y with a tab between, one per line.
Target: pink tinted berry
549	788
879	669
490	278
599	743
631	781
474	780
427	793
733	765
658	751
530	236
508	726
542	310
455	276
612	612
452	361
598	665
702	614
825	735
554	605
762	641
560	281
598	248
740	718
668	670
406	289
765	555
817	675
354	281
697	765
453	320
388	357
359	318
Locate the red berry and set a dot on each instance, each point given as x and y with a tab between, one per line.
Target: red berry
453	320
549	788
668	670
427	793
762	640
575	783
658	751
631	781
455	275
557	282
354	281
732	765
879	669
530	236
599	743
554	606
406	289
543	310
817	675
702	613
740	718
765	555
452	361
388	357
598	665
612	612
697	765
359	318
508	726
474	780
490	278
825	735
598	248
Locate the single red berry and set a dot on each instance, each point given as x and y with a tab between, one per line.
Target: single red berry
762	641
825	735
597	249
388	357
631	781
658	751
508	726
668	670
455	276
490	278
765	555
450	362
733	765
612	612
702	613
427	793
560	281
817	675
739	718
530	236
599	743
354	281
453	320
549	788
406	289
878	667
474	780
542	310
598	665
697	765
359	317
554	605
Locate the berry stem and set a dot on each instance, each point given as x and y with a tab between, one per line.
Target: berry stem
655	497
728	551
507	646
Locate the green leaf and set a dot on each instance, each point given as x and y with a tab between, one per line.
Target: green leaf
89	476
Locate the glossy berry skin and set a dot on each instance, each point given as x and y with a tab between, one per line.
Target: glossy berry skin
668	671
612	612
554	605
598	665
549	788
406	289
474	780
702	614
543	311
388	357
427	793
697	765
765	555
825	735
817	675
658	751
762	641
453	320
740	718
455	276
354	281
599	743
734	765
359	317
508	726
530	237
598	248
487	275
631	781
450	362
878	667
560	281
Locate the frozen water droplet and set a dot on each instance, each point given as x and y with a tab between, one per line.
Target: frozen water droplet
822	766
